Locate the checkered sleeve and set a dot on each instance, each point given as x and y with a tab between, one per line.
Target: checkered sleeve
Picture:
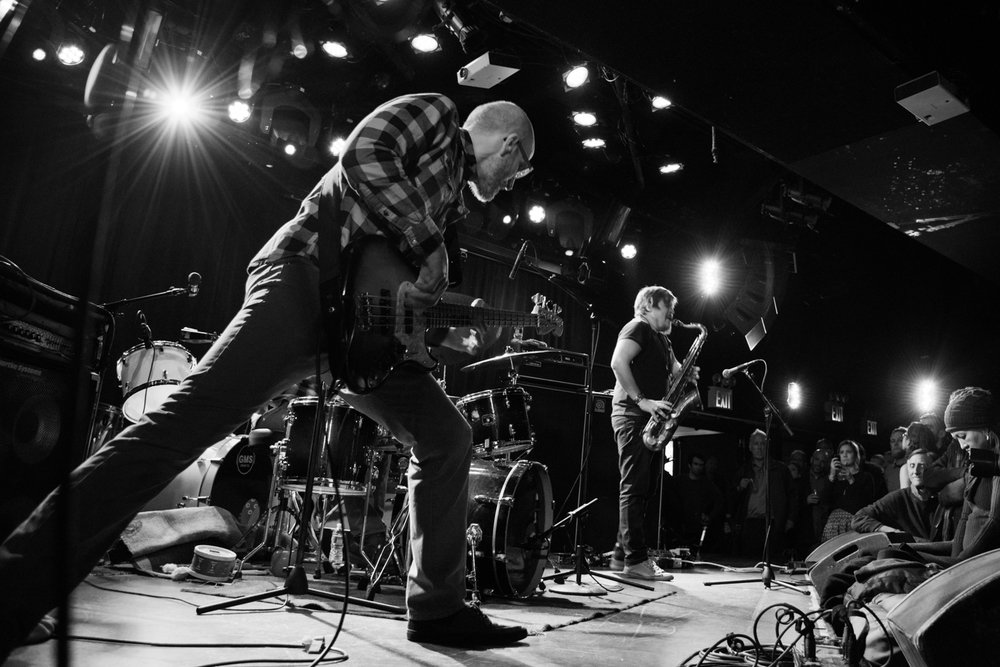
400	161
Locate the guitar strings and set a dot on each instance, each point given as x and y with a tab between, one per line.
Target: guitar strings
383	311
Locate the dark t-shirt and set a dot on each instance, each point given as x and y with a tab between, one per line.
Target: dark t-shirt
650	368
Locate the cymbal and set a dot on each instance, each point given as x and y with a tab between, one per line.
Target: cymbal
513	359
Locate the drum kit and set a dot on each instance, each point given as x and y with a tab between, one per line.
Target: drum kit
257	478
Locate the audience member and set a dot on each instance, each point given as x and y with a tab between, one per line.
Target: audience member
850	489
702	504
718	538
878	475
819	482
972	417
895	459
761	478
914	510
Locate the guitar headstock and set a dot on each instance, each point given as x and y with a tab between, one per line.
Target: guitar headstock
548	315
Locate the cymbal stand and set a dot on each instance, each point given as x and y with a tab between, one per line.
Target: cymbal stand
296	583
767	572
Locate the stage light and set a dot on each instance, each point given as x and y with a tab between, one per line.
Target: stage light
927	395
671	168
425	43
335	49
536	214
239	111
70	54
300	51
290	149
178	106
794	395
629	251
337	146
710	277
456	18
569	252
661	102
507	219
594	142
577	76
38	54
584	118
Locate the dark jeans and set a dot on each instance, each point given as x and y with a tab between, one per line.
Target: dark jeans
634	463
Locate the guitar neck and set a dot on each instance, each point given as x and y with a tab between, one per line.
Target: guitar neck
445	315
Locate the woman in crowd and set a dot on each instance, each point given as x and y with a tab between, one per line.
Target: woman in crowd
850	489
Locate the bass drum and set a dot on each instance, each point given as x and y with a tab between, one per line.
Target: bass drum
512	504
232	474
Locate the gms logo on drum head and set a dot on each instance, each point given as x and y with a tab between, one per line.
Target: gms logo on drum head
245	460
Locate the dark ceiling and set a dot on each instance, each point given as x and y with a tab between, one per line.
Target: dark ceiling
769	98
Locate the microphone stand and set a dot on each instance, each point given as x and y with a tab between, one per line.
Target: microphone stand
115	306
767	572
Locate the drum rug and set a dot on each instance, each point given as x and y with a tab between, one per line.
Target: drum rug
167	530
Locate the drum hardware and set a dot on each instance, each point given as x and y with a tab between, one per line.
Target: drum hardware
474	535
396	548
195	337
296	582
106	425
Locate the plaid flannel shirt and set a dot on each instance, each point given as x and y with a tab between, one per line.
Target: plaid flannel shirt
400	175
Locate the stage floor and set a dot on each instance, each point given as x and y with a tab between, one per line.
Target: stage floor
124	619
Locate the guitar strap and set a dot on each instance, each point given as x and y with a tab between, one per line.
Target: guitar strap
331	283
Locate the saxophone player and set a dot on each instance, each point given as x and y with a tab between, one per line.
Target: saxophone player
643	363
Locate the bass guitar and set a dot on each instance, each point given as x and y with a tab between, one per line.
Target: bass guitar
381	333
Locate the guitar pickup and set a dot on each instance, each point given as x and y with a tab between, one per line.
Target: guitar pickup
363	319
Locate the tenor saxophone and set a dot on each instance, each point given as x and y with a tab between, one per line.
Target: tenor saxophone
659	431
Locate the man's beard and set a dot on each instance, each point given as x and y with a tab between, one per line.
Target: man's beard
488	182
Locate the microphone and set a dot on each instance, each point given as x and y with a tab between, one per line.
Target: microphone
517	260
736	369
145	334
194	282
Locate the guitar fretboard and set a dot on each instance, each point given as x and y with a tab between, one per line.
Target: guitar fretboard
383	312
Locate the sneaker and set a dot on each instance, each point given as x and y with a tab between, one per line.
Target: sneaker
647	570
466	628
617	564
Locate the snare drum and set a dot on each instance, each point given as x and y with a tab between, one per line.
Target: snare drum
512	504
148	375
344	456
499	420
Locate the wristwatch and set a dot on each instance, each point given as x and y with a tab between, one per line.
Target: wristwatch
638	398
